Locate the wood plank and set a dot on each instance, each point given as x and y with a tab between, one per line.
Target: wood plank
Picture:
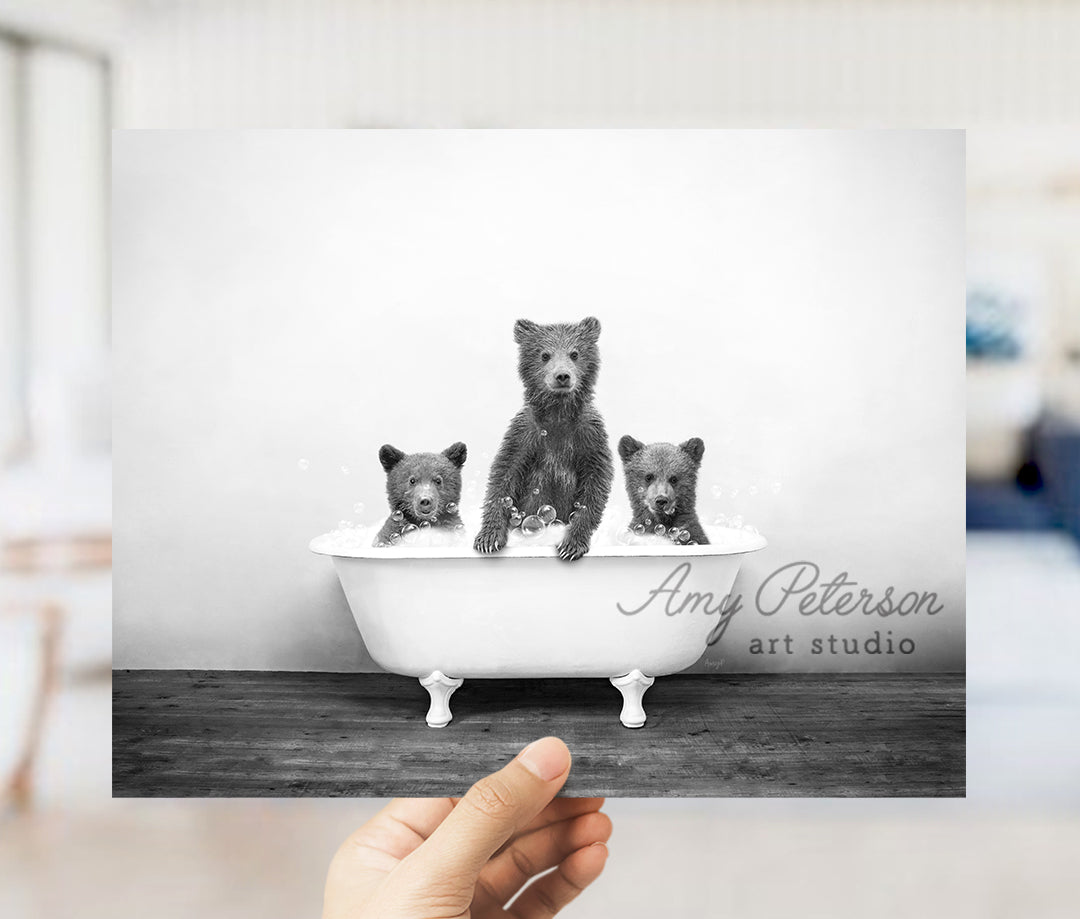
244	733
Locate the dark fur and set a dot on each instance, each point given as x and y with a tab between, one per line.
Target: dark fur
572	463
425	468
664	462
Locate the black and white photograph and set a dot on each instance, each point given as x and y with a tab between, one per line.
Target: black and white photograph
651	438
525	459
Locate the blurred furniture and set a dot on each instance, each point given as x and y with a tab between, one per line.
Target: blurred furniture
1057	451
36	559
1046	493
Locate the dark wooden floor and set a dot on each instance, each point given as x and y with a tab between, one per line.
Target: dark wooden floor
227	733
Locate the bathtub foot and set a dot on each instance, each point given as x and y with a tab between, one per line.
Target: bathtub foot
632	686
440	687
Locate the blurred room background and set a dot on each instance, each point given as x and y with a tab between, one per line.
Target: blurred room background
71	69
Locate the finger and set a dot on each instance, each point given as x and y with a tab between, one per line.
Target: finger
495	808
558	810
538	851
400	827
545	896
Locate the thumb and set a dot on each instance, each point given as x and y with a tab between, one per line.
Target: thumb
492	811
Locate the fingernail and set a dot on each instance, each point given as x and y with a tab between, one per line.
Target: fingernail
546	758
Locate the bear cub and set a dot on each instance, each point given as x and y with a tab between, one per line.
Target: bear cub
555	450
421	488
661	480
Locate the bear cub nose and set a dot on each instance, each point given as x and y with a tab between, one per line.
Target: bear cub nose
661	501
425	503
563	379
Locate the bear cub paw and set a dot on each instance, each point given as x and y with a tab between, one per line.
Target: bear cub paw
573	547
490	539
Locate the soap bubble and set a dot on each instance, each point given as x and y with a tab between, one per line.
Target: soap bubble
303	465
532	525
425	524
752	489
395	538
573	514
409	532
543	433
451	508
515	520
558	523
648	521
397	516
507	502
735	522
720	521
547	513
641	489
625	536
344	470
358	507
684	536
640	529
673	534
536	491
659	529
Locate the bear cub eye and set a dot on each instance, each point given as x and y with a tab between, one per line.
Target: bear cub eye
545	357
649	478
412	480
438	480
674	480
573	355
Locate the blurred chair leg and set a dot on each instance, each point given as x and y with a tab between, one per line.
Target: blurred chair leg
20	788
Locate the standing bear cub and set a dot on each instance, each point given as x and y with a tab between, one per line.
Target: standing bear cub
421	488
555	450
661	480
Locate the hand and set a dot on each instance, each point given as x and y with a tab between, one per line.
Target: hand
491	538
440	858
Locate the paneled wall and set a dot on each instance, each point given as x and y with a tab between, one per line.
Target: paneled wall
276	63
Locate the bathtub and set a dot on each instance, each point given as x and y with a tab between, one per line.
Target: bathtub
625	613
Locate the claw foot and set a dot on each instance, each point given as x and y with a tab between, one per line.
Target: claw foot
440	687
632	686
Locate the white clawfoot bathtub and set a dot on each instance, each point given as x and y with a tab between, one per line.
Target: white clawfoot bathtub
625	613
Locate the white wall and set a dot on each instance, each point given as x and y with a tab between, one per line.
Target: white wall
796	299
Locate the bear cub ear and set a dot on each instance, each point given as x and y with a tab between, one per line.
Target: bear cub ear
456	453
694	448
390	456
590	327
628	446
524	329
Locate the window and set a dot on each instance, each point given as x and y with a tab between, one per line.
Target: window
54	316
